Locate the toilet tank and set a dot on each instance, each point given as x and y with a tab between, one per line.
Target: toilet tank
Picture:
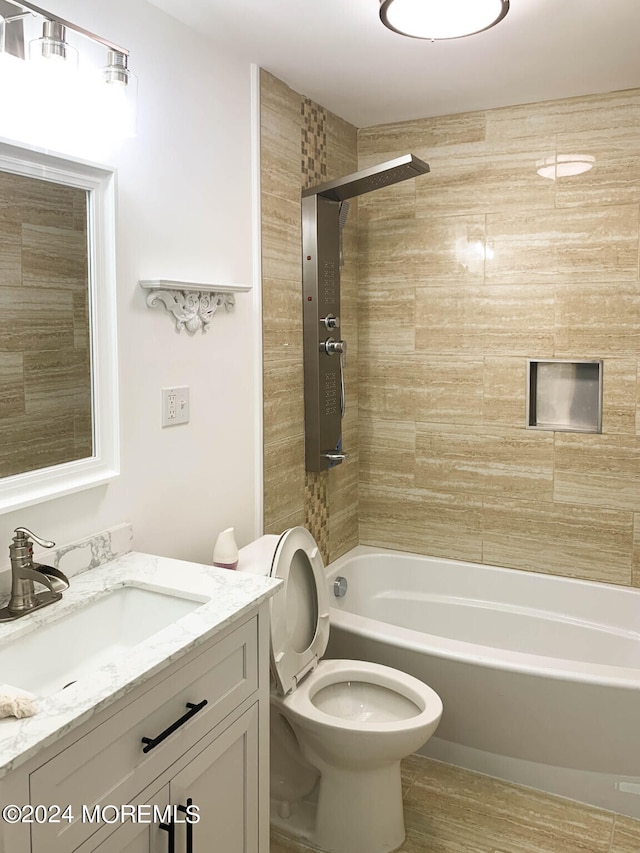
257	557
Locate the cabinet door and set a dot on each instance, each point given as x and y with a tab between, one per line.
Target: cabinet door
222	782
134	838
144	836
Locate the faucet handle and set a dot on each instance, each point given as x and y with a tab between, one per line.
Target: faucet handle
44	543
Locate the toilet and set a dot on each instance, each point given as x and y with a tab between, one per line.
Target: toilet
339	728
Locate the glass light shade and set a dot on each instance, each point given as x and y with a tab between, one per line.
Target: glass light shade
441	19
116	70
118	96
52	50
564	165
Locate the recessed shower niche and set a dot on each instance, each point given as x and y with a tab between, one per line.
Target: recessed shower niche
564	395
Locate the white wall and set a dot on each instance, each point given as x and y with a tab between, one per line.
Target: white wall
184	197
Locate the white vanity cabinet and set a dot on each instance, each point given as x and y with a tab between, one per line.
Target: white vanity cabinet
197	730
221	780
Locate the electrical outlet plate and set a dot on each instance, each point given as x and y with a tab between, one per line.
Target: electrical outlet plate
175	406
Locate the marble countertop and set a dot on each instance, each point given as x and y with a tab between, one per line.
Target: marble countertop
228	597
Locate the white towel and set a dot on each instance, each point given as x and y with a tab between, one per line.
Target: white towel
15	702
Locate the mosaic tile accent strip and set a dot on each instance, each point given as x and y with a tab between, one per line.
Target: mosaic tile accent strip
316	505
314	144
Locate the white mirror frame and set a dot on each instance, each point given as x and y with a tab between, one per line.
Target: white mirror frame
32	487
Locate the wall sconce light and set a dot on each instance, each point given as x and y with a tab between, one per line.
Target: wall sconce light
441	19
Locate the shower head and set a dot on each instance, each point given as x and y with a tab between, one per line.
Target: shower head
391	172
344	212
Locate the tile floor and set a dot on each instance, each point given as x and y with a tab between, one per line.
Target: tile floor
450	810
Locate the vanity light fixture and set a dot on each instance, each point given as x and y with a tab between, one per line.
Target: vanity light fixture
53	41
437	20
53	45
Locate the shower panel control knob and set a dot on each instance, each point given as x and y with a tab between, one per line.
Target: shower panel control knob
330	321
331	347
334	456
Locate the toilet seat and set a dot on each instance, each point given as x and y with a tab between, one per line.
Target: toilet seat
300	612
427	705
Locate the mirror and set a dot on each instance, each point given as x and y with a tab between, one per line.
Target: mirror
58	358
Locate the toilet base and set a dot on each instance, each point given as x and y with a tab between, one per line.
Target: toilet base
297	820
349	812
360	811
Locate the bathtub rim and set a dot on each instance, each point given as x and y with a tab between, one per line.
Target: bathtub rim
564	669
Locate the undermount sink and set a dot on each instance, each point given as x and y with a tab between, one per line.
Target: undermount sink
101	631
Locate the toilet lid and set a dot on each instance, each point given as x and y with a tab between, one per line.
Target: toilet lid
300	610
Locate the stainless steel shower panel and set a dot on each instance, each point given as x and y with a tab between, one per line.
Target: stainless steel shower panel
367	180
324	353
321	297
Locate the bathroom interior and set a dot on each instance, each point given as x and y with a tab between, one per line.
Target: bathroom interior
452	284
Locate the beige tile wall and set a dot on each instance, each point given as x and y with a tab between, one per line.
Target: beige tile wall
302	144
463	274
45	381
284	479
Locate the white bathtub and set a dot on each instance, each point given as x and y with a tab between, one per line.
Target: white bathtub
539	675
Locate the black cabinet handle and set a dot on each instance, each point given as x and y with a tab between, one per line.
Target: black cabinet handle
187	810
171	829
151	743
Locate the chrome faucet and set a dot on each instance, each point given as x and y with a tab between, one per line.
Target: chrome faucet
25	574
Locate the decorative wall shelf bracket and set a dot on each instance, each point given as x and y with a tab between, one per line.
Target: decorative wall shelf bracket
192	304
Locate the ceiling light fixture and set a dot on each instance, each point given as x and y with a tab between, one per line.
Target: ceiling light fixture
441	19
